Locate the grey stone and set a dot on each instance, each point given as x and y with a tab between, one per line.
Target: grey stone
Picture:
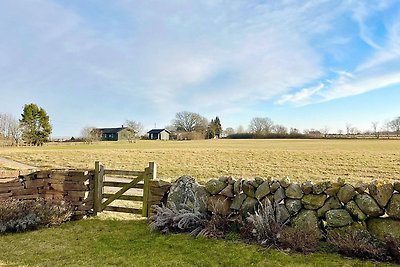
307	187
248	189
214	186
341	181
393	209
307	219
237	186
338	218
285	182
231	181
254	183
355	211
185	192
330	204
396	186
293	205
224	179
383	227
313	202
262	190
220	205
319	188
294	191
279	194
346	193
248	206
361	187
274	186
259	180
333	189
381	192
368	205
227	191
282	213
238	201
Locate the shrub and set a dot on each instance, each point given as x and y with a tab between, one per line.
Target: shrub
300	240
265	223
218	226
393	248
53	212
173	220
357	243
23	215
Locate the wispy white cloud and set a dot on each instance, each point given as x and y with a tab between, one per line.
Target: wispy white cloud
379	70
302	97
154	58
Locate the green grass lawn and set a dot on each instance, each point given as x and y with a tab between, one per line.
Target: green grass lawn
107	242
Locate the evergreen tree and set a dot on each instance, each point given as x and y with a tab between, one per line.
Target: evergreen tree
36	127
214	128
218	127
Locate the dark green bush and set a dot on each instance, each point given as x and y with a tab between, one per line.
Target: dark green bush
24	215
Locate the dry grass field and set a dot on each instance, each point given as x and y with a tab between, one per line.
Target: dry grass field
299	159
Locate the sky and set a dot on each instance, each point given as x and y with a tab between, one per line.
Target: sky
304	64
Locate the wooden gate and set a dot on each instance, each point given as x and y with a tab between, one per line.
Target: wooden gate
139	180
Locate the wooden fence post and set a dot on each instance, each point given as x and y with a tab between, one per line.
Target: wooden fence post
150	174
98	187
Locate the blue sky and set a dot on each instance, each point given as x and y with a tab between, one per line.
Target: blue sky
304	64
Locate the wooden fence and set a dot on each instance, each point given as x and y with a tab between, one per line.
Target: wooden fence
137	180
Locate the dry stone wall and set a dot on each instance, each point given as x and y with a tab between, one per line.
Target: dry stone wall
324	204
75	186
374	206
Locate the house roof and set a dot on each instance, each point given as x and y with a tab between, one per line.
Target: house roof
157	131
111	130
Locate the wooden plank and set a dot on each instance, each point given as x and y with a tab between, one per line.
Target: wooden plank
125	197
122	184
98	186
151	173
122	190
124	173
123	209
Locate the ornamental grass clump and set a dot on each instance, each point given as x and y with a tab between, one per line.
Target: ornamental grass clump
266	224
171	219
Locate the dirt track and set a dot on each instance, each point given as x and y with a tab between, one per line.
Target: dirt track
11	164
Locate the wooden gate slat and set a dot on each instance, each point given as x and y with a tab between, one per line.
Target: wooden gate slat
122	190
125	197
123	209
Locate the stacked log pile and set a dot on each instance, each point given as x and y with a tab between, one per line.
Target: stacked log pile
72	185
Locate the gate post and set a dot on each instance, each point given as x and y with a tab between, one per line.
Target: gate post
98	187
150	174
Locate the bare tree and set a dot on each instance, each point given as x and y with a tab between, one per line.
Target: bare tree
387	125
90	134
279	129
325	131
229	131
375	128
190	122
395	125
348	128
10	129
133	130
240	129
261	125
